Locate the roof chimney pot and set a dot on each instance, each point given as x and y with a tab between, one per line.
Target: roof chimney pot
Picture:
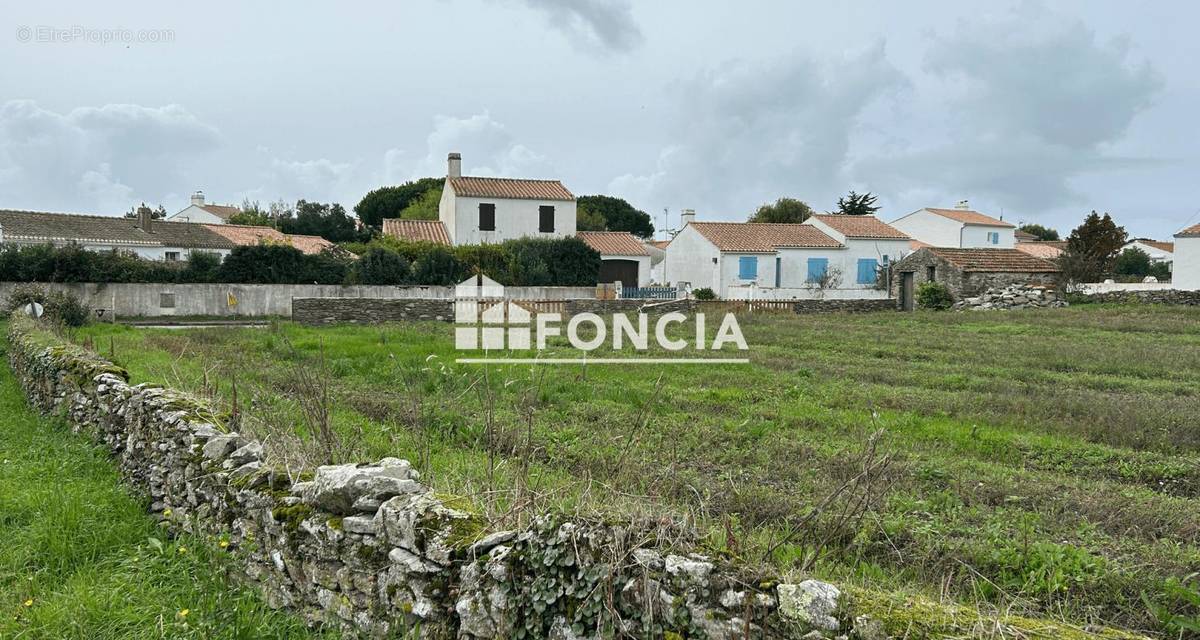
454	165
687	217
962	204
198	198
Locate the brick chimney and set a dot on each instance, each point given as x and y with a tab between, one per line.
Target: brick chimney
145	218
454	165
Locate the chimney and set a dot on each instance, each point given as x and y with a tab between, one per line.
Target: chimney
146	217
687	217
454	165
962	204
198	198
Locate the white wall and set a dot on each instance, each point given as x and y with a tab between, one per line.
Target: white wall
794	262
195	214
803	293
975	235
1186	273
144	252
930	228
690	259
514	219
1108	287
1156	254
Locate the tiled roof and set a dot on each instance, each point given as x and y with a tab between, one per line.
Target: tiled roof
613	243
997	260
1190	232
1024	236
1040	249
517	188
221	211
41	227
868	227
248	236
417	230
660	244
762	237
1169	247
917	244
966	216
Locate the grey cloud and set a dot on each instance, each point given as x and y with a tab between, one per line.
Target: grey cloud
751	132
1033	101
605	23
96	158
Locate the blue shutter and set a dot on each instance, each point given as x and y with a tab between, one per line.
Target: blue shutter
816	268
748	267
867	268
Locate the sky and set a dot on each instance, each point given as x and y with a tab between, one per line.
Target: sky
1037	112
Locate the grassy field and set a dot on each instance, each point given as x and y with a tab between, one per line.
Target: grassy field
1032	463
81	558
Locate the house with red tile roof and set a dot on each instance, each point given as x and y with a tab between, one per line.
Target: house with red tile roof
970	271
959	227
825	256
1185	273
1158	251
204	212
248	235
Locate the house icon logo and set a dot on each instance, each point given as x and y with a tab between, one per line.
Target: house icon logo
485	319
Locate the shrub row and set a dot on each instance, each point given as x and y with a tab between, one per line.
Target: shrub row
524	262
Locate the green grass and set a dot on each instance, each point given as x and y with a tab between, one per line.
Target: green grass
1042	463
81	558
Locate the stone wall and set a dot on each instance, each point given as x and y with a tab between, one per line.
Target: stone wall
961	284
371	550
1162	296
847	306
1013	297
609	307
976	283
316	311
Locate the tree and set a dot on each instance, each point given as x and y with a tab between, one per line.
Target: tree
1042	233
316	219
589	220
382	266
783	210
854	204
1092	249
388	202
155	214
425	207
1132	262
252	214
618	215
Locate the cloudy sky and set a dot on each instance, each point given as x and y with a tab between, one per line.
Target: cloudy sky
1037	111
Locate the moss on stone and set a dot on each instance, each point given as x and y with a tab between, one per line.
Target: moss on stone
335	523
291	515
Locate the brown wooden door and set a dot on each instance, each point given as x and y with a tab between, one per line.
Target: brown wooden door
623	271
906	291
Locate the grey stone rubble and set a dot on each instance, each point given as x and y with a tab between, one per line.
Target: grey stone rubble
370	550
1015	296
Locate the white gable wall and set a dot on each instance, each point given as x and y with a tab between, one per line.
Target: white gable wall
515	218
930	228
1186	272
975	235
195	214
693	259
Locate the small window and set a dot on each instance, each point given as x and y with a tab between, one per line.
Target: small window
748	267
546	219
166	300
931	273
868	268
994	237
487	216
172	256
816	269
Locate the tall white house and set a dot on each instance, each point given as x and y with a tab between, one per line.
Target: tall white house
1186	274
204	212
959	227
478	210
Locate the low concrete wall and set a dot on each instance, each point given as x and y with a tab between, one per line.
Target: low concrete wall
152	300
1108	287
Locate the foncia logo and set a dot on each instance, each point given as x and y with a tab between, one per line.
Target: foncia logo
486	320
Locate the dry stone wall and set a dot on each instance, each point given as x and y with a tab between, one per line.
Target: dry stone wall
317	311
1013	297
370	549
1160	296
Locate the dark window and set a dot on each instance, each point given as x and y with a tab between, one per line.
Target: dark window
166	300
172	256
487	216
546	219
931	273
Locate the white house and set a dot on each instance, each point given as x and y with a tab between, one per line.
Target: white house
959	227
831	256
1186	272
480	210
142	236
1158	251
205	213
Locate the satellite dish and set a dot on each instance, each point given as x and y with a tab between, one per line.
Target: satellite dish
33	310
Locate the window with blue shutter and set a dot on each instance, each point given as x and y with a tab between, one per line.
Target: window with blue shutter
867	268
748	267
816	268
993	237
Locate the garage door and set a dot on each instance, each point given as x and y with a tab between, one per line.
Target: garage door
623	271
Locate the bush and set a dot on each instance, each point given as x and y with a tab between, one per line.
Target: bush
58	306
281	264
704	293
439	267
381	266
934	295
